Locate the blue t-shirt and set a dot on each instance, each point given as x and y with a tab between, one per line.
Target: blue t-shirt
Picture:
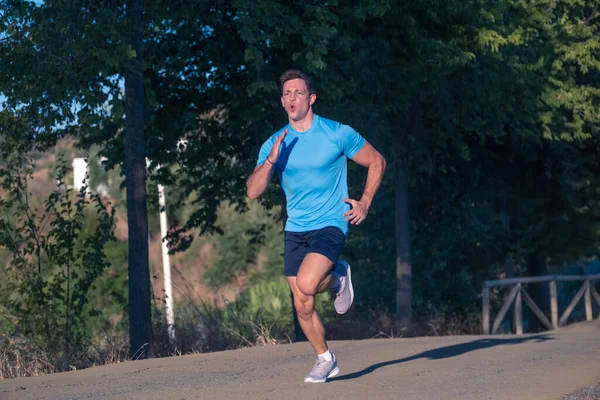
312	169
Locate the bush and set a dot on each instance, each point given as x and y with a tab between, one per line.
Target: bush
55	256
261	315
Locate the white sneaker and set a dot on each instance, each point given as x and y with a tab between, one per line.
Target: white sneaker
344	296
323	370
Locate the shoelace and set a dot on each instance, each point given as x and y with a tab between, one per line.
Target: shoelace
319	365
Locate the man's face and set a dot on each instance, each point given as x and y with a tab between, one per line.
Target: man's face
296	100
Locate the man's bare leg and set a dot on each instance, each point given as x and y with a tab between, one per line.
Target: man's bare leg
309	319
314	276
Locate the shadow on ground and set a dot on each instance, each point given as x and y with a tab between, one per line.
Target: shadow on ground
446	352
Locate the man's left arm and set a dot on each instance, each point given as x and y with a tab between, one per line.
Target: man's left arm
368	157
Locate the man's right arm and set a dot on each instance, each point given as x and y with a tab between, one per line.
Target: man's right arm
257	182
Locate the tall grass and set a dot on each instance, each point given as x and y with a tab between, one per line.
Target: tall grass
261	316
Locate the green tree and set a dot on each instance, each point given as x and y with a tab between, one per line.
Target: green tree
557	221
399	58
54	259
80	69
79	57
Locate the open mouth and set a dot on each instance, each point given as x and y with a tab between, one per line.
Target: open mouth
292	108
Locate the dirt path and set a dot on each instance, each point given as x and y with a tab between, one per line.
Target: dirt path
545	366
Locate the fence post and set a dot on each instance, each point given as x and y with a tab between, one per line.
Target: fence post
553	304
588	301
519	311
485	302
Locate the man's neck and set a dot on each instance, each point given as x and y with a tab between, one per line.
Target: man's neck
305	123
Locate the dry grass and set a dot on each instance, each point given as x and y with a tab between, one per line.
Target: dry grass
20	358
113	348
449	325
17	360
264	337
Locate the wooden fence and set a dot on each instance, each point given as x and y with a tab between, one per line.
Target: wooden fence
518	294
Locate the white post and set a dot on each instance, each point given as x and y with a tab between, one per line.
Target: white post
164	228
80	169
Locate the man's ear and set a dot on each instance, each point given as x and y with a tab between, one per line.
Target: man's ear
313	98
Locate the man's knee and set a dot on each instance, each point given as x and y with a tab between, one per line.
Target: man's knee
306	286
305	306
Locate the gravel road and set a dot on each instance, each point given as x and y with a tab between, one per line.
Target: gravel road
563	364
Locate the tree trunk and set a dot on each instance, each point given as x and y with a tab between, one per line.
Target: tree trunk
403	262
540	293
403	314
140	317
509	266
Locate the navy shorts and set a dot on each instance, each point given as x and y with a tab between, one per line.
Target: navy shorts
327	241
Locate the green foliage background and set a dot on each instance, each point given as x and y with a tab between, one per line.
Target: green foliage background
491	107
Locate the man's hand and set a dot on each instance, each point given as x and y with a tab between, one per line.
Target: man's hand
274	154
358	212
258	181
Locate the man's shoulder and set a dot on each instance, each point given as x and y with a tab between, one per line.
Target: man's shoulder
334	128
328	124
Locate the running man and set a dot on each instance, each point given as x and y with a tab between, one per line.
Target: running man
309	155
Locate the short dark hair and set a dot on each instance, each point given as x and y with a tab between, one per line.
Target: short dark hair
296	74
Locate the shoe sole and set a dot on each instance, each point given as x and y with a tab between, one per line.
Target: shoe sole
333	373
349	274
